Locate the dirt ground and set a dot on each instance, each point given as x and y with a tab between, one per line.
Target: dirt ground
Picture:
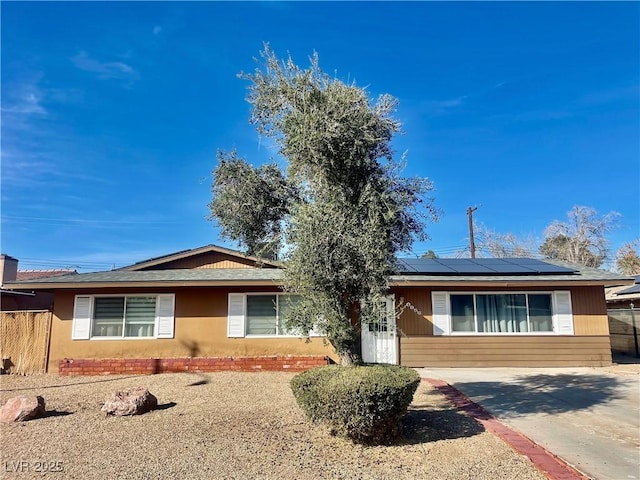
233	426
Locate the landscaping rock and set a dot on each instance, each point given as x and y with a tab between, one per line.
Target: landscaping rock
134	401
21	409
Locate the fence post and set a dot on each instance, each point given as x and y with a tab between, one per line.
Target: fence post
47	344
635	330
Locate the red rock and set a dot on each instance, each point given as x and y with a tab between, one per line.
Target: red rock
135	401
21	409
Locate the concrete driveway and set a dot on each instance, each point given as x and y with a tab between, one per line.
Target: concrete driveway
590	417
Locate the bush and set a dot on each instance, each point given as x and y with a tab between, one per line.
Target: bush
363	403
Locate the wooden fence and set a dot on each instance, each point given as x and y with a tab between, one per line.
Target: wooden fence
622	331
24	341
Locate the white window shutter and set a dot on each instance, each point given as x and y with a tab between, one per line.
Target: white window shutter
165	315
81	328
563	315
314	332
236	318
440	313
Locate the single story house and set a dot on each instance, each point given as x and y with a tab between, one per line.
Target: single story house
213	308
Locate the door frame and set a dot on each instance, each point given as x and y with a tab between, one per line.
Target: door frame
372	340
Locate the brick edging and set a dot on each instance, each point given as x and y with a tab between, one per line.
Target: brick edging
550	465
147	366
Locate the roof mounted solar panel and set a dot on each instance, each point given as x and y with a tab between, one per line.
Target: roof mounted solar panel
540	266
480	266
473	268
405	266
547	268
521	260
633	289
455	261
514	269
424	266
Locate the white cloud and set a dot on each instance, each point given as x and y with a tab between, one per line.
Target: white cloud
105	70
23	98
443	107
26	104
451	103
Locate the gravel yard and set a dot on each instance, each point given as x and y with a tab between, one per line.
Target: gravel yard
234	426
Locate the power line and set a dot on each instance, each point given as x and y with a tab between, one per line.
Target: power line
34	263
61	261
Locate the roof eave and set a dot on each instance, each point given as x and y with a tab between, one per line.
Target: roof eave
500	283
394	282
148	283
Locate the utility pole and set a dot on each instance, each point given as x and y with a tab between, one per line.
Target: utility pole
472	245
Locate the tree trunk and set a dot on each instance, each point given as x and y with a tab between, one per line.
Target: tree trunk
349	351
349	359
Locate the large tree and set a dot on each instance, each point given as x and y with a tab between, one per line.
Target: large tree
582	239
251	203
628	258
342	209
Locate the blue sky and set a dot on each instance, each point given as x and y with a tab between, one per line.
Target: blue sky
112	113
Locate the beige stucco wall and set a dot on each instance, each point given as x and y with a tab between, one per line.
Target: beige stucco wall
200	330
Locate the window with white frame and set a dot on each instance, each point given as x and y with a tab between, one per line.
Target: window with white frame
502	313
266	314
123	316
260	314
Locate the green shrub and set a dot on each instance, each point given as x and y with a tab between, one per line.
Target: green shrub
363	403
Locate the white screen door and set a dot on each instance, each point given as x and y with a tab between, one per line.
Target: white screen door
379	339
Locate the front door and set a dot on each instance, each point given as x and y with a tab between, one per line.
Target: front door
379	338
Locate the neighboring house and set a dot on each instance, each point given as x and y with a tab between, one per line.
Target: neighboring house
622	296
623	306
12	300
212	308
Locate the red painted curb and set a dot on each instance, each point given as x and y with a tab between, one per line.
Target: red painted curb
550	465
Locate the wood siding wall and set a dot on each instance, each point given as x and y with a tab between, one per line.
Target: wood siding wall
588	305
505	351
416	315
207	260
590	346
589	311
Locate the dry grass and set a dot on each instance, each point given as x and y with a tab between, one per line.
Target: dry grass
236	426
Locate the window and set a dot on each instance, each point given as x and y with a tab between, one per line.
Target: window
262	314
502	313
266	314
462	318
123	316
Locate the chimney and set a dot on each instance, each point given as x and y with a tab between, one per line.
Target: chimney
9	267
